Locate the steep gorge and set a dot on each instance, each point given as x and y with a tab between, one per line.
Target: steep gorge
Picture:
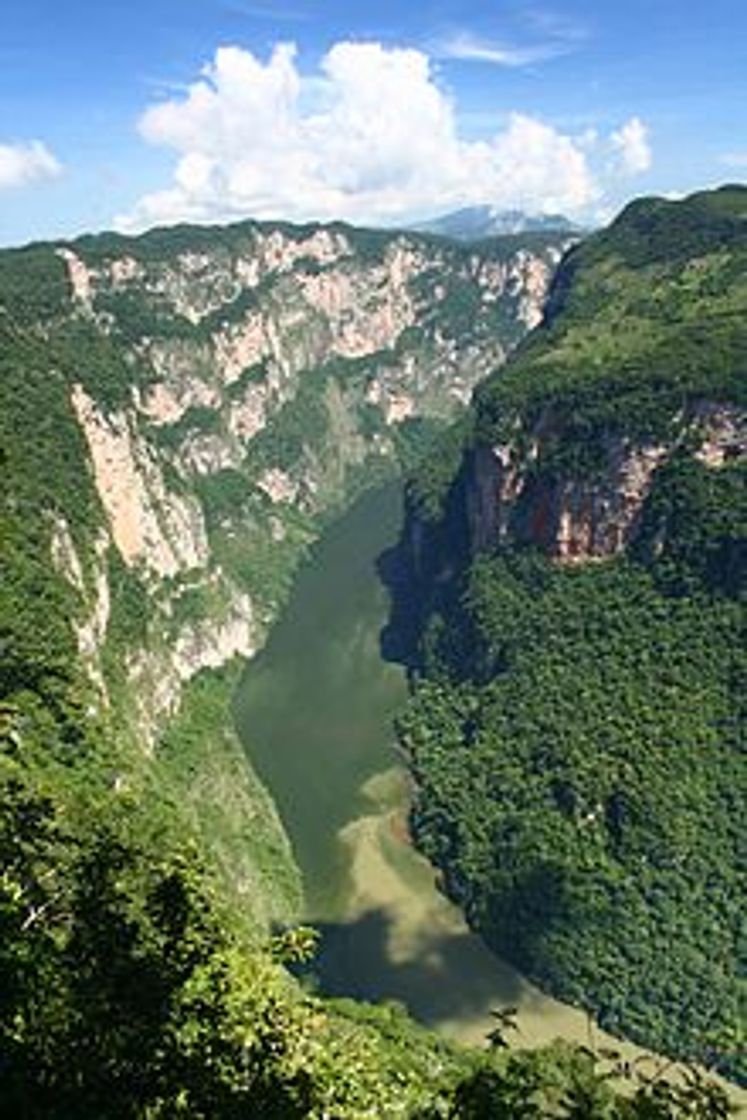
217	397
182	414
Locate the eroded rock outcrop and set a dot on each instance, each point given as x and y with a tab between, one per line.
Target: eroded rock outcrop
276	361
150	525
592	516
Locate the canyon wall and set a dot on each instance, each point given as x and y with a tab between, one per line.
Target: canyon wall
594	515
266	373
182	414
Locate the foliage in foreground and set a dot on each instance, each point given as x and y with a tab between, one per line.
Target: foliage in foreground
124	996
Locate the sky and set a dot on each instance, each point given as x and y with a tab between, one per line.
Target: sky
132	113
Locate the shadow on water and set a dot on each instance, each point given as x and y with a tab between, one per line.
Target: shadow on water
398	637
445	983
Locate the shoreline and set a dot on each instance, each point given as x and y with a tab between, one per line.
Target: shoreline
429	945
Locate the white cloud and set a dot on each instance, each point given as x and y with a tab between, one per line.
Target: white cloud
467	47
23	163
631	142
370	137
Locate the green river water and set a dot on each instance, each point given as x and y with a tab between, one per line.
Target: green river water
314	711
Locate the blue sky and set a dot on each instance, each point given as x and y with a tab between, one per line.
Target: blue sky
132	114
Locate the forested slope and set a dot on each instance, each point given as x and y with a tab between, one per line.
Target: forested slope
180	414
577	732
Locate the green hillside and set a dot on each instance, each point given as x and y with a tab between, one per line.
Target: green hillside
577	731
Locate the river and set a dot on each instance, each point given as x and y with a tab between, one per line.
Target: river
314	711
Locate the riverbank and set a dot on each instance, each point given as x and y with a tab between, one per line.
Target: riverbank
315	712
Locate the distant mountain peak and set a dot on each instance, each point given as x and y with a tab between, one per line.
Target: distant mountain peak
471	223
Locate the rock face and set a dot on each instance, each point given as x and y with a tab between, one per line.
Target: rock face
575	520
259	369
160	530
411	310
638	360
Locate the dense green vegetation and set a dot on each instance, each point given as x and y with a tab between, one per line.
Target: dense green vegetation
129	989
578	733
142	868
50	521
644	320
125	995
585	799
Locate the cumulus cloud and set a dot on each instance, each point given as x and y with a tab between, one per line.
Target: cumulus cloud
631	142
24	163
371	136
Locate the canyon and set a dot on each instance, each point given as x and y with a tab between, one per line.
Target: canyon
184	415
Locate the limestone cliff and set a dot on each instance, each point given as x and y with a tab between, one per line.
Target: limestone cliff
582	518
261	368
638	362
181	414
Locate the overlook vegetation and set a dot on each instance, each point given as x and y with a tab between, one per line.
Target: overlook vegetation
577	734
129	992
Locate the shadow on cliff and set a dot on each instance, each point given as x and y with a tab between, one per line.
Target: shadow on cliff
428	628
454	977
423	572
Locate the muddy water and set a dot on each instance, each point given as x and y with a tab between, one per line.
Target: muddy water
314	711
